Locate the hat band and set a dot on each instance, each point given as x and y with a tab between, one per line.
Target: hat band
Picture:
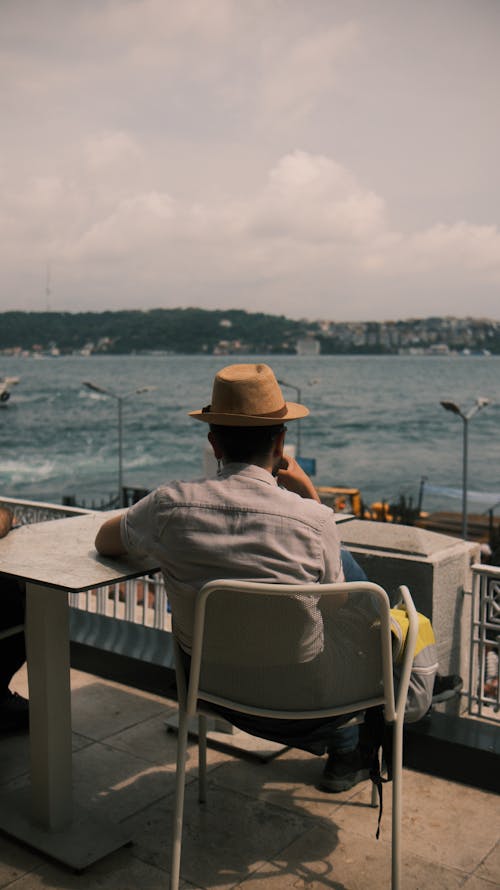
281	412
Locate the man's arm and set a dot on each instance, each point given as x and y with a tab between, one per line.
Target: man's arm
6	519
293	477
108	540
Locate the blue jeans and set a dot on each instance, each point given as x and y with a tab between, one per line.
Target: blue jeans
352	569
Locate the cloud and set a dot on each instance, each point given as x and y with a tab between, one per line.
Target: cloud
462	245
315	199
311	227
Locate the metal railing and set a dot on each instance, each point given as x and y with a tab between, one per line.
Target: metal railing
139	600
484	669
26	512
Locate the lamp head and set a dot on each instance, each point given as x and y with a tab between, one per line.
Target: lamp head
92	386
451	406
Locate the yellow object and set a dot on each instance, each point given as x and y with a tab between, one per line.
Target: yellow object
341	498
425	632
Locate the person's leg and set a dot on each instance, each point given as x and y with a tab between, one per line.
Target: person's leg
343	739
12	649
14	710
344	768
352	569
346	738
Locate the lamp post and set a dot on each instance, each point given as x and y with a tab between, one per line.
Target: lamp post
455	409
120	400
299	399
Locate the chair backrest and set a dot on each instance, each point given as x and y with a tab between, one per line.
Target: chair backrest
291	651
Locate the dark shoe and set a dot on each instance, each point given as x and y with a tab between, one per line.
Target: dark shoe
446	687
343	770
14	713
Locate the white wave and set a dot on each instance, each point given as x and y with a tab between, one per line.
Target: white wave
15	472
93	396
142	460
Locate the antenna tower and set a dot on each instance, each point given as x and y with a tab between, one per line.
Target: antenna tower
47	288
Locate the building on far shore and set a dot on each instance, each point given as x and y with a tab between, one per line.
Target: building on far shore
308	346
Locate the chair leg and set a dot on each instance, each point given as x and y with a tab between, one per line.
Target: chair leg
180	777
397	780
202	758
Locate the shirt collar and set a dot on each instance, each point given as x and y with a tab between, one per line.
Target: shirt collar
248	471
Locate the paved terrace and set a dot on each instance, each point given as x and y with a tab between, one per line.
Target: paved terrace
264	827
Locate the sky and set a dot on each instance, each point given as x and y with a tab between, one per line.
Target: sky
320	159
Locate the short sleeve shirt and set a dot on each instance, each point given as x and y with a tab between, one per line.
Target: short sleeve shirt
240	525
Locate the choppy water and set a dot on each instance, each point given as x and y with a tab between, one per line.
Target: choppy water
375	422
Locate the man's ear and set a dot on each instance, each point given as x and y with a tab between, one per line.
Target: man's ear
215	446
279	444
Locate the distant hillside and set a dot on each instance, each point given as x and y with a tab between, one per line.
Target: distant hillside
233	332
172	330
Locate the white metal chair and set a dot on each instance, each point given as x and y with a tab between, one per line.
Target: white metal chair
257	650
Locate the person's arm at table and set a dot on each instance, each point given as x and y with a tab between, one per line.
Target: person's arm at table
108	540
6	520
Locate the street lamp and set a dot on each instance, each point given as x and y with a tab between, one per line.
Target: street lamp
299	399
480	402
120	400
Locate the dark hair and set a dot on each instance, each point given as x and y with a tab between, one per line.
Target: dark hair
243	444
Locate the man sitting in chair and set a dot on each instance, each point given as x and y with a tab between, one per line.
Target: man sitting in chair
260	519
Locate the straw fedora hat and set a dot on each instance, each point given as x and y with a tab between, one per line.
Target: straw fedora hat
248	395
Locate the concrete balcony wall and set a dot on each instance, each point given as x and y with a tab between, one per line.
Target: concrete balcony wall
435	568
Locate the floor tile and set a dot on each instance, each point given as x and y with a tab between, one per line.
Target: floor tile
450	824
15	861
224	840
341	860
476	883
118	872
490	866
15	754
150	740
116	782
289	781
100	710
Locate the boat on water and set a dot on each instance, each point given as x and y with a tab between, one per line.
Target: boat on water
6	383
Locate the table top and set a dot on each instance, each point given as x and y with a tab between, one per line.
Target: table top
61	554
344	517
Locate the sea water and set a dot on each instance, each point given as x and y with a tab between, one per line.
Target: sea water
375	422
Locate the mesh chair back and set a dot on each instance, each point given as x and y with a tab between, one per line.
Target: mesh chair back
301	651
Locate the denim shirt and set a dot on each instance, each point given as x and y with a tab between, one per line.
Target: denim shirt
240	525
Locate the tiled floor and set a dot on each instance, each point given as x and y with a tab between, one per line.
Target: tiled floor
264	825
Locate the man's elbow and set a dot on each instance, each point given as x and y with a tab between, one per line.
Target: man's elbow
108	540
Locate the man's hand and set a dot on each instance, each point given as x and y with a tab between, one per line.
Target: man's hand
293	477
6	520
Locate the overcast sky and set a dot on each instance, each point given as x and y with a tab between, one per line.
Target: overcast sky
317	158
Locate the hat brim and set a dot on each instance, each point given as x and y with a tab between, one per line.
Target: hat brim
294	411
